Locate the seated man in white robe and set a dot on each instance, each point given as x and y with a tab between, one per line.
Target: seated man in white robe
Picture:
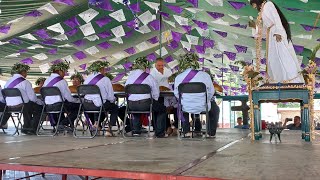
194	103
32	108
161	74
98	78
140	102
56	79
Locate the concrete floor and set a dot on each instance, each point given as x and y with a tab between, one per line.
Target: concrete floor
229	156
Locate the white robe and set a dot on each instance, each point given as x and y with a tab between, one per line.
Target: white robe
282	60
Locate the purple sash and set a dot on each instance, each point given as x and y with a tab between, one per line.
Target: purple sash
190	76
16	82
187	79
141	78
96	79
54	81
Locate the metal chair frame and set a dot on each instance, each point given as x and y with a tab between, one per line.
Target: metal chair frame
51	91
90	90
13	92
186	88
133	89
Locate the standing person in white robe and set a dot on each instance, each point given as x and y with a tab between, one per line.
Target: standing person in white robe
282	62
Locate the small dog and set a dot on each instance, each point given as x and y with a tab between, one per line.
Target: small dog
275	129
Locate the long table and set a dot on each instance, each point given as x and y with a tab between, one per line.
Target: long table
121	94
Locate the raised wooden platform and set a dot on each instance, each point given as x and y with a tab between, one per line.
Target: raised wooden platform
230	156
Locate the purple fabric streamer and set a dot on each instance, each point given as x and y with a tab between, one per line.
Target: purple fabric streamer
222	34
237	5
295	9
200	24
187	28
83	66
129	33
27	61
57	61
15	41
42	34
263	61
105	34
105	5
72	22
131	24
66	2
234	68
200	49
127	65
168	59
231	55
34	13
201	60
79	42
49	42
309	28
80	55
194	3
130	50
239	26
208	43
53	51
215	15
135	7
72	32
165	15
176	36
54	81
155	24
103	21
225	70
118	77
153	40
173	45
176	9
217	55
104	45
151	57
5	28
22	51
299	49
241	49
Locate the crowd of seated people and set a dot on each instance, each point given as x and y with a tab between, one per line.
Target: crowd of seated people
157	77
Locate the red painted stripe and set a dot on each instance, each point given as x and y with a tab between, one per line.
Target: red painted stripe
99	172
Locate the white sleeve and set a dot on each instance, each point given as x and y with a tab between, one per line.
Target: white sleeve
66	93
109	89
176	85
210	87
30	93
154	88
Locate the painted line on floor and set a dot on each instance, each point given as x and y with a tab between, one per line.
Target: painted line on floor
66	150
196	162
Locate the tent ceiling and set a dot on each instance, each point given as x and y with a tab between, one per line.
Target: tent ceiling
39	32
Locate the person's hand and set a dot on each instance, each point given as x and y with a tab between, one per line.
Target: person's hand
252	24
278	37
